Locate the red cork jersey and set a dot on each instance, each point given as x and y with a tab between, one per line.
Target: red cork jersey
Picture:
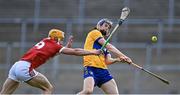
41	52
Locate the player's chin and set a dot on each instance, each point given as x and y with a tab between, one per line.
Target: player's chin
107	34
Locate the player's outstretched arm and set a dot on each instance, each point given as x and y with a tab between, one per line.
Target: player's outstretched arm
115	51
119	54
79	51
111	48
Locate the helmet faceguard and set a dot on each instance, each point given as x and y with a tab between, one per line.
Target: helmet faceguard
56	34
104	20
101	22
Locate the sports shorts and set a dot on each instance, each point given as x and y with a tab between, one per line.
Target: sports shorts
20	72
100	76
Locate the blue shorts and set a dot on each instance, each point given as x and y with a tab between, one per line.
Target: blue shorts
100	76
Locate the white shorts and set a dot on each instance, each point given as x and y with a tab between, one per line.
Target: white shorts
20	72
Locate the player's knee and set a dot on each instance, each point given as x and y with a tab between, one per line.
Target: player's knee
88	91
50	88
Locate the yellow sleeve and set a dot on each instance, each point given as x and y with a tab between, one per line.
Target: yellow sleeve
95	34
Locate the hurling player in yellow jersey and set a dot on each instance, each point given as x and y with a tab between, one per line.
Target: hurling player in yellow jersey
95	67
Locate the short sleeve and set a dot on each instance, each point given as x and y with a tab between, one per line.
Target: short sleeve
95	34
61	49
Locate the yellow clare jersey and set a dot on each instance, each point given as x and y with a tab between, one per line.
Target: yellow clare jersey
91	43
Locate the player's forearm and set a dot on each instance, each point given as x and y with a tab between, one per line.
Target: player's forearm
112	60
114	50
82	52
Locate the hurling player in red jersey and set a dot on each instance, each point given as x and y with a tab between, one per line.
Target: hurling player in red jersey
24	69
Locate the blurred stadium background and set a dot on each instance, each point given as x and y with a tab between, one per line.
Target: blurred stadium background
25	22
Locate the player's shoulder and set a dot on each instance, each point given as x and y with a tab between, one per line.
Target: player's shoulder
94	32
46	39
50	41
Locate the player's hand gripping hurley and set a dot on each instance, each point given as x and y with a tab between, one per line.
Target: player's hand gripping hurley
124	14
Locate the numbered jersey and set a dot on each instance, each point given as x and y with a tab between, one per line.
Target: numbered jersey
41	52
